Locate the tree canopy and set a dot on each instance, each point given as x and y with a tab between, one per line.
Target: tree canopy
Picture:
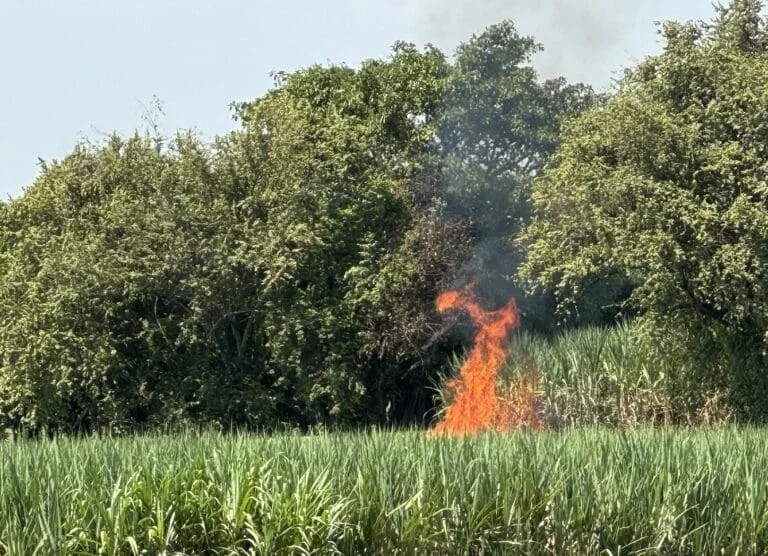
665	186
284	274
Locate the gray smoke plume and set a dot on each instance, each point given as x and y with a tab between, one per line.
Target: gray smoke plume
591	41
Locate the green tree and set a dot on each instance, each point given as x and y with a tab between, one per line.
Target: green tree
107	257
355	240
666	187
286	273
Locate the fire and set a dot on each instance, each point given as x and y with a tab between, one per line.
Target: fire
476	405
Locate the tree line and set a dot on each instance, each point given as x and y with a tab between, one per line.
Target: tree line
284	274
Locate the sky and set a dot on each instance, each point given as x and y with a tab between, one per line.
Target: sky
81	69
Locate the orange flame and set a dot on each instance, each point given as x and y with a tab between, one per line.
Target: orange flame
476	405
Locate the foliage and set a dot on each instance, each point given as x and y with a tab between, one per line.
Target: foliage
284	273
664	186
358	246
578	492
612	377
110	258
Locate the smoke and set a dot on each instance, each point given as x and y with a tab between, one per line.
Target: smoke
591	41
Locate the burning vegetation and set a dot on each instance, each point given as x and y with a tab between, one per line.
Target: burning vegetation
477	403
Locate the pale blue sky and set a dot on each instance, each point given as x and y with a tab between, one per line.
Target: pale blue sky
83	68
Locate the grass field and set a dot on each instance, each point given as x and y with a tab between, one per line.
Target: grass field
651	491
613	377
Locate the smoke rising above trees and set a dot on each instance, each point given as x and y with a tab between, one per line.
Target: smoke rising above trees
592	42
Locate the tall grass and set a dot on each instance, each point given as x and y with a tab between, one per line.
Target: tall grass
581	492
611	377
